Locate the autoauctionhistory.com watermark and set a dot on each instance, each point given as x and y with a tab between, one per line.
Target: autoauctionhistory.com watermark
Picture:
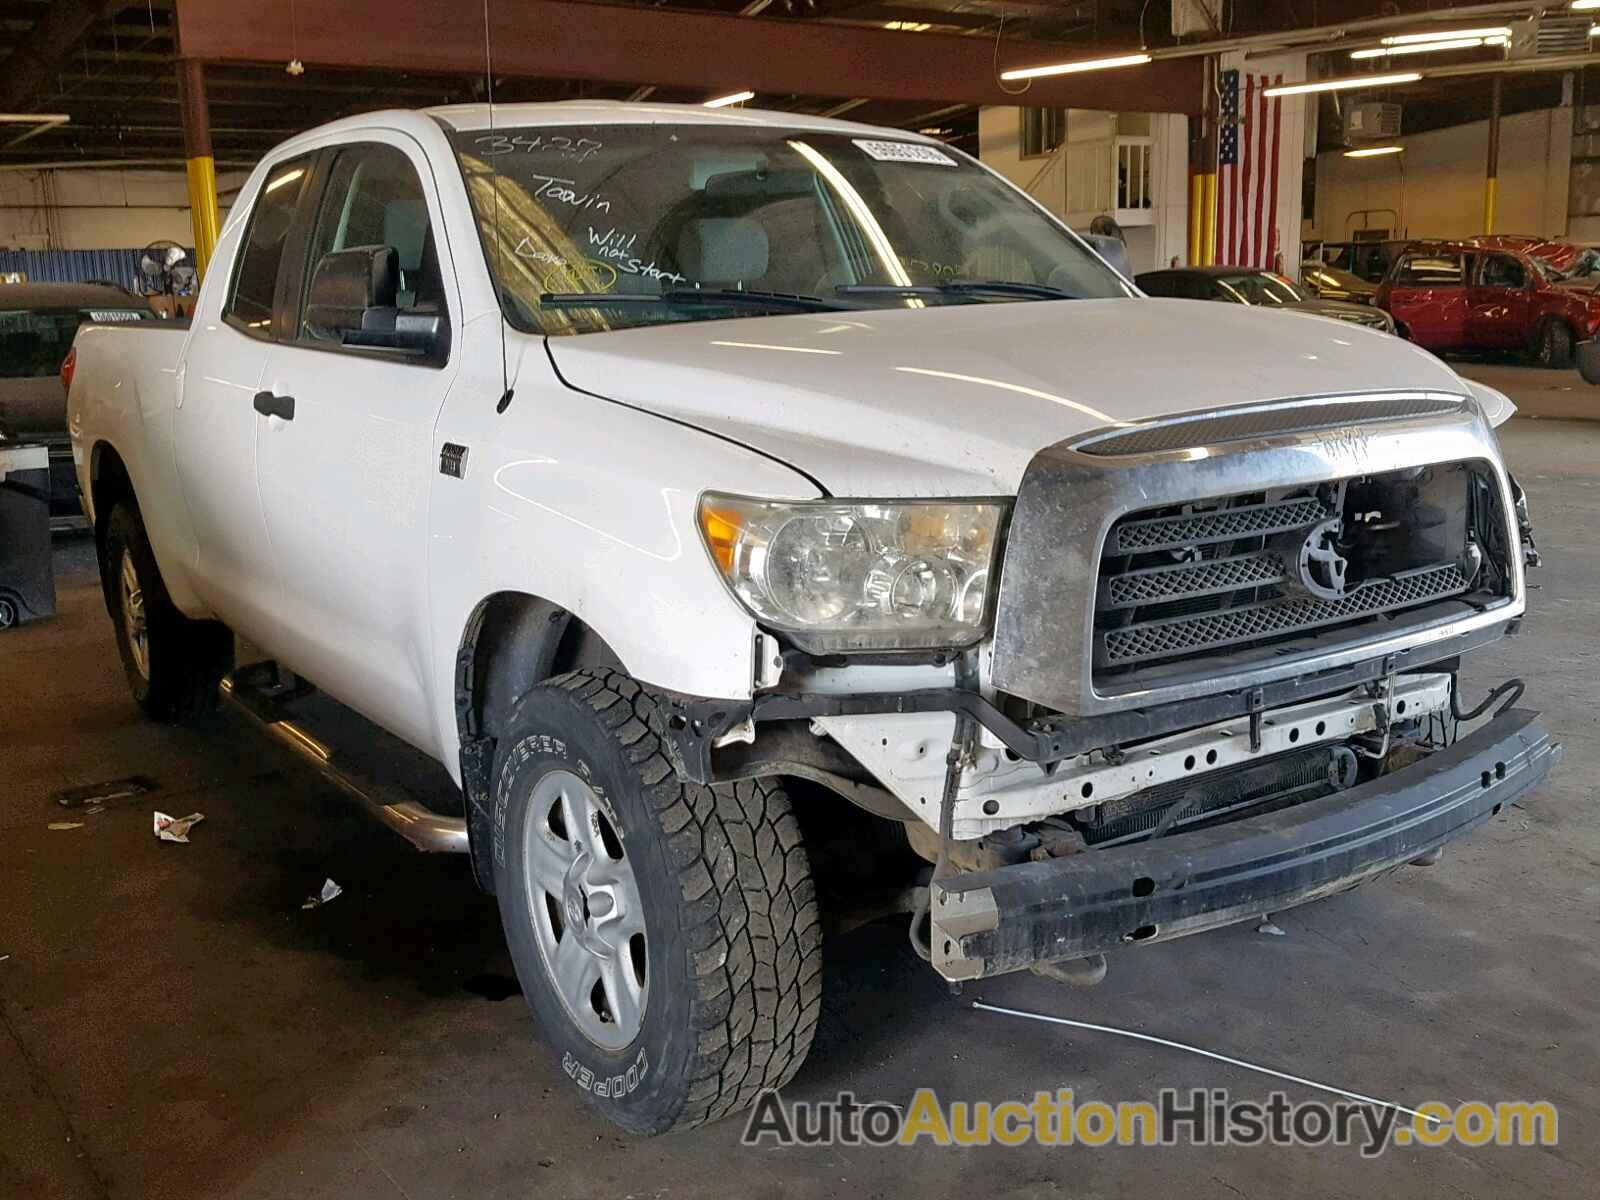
1197	1117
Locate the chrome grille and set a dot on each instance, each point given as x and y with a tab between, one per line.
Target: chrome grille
1273	618
1243	573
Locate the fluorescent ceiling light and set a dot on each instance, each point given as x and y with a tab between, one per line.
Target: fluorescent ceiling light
733	98
1427	47
909	26
1339	85
1584	5
1072	68
1373	151
1411	39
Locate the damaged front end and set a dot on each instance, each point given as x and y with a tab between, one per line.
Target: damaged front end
1221	682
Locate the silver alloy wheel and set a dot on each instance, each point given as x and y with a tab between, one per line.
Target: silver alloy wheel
588	916
134	623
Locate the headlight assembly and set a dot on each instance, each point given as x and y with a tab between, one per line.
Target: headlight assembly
862	575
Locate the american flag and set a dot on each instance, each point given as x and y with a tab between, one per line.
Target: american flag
1247	171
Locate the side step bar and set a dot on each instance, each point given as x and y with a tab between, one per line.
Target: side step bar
245	692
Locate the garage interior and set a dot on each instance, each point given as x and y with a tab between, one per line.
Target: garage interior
173	1021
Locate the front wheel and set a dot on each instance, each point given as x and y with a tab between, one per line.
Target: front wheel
665	934
173	664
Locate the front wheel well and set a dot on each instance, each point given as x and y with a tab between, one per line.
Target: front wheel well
512	643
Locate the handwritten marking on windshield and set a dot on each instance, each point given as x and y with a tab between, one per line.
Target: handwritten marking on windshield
552	187
615	245
527	249
577	149
1014	387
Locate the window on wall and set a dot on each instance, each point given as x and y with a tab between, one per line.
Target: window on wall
1043	129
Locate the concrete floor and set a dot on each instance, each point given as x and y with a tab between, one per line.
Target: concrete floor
173	1024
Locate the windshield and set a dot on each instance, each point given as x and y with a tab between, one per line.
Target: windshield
651	212
1262	288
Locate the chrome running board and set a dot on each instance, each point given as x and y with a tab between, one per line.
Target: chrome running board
419	825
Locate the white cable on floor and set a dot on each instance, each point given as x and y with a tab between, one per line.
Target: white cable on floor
1237	1062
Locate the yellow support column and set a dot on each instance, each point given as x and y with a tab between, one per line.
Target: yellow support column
1209	251
199	164
1197	193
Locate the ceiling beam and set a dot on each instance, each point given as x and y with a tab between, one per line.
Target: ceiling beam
713	52
34	59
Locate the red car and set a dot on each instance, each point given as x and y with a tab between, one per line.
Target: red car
1462	296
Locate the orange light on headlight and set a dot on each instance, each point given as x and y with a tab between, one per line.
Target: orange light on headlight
721	527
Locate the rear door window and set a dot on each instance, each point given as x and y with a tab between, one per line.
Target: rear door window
255	277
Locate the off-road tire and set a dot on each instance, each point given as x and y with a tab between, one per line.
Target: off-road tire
187	658
733	933
1552	344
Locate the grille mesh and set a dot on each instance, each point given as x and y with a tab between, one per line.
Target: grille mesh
1197	579
1187	635
1170	533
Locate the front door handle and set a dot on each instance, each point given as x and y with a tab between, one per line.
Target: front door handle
268	404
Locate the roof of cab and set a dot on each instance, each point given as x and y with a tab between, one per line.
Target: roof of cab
622	112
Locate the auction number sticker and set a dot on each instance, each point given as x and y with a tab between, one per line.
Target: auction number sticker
904	152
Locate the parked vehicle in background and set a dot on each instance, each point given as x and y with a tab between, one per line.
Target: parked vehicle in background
37	324
1365	260
1260	289
1461	296
769	464
1335	283
1569	261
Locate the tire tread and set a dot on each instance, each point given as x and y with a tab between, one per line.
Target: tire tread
749	917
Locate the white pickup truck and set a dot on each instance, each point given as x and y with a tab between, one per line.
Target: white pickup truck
656	468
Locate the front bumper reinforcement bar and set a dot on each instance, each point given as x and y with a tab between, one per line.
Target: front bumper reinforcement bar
987	923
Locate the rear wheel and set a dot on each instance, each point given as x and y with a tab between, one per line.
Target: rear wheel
173	664
666	934
1553	344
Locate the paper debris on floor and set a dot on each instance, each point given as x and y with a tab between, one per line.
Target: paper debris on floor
65	825
176	829
330	891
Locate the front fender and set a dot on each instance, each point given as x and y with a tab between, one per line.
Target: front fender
590	505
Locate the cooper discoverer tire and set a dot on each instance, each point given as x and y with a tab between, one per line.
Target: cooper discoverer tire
173	663
680	1012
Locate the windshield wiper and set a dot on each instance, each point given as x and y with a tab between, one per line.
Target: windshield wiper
785	300
959	287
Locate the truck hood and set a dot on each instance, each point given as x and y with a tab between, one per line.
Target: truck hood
955	400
